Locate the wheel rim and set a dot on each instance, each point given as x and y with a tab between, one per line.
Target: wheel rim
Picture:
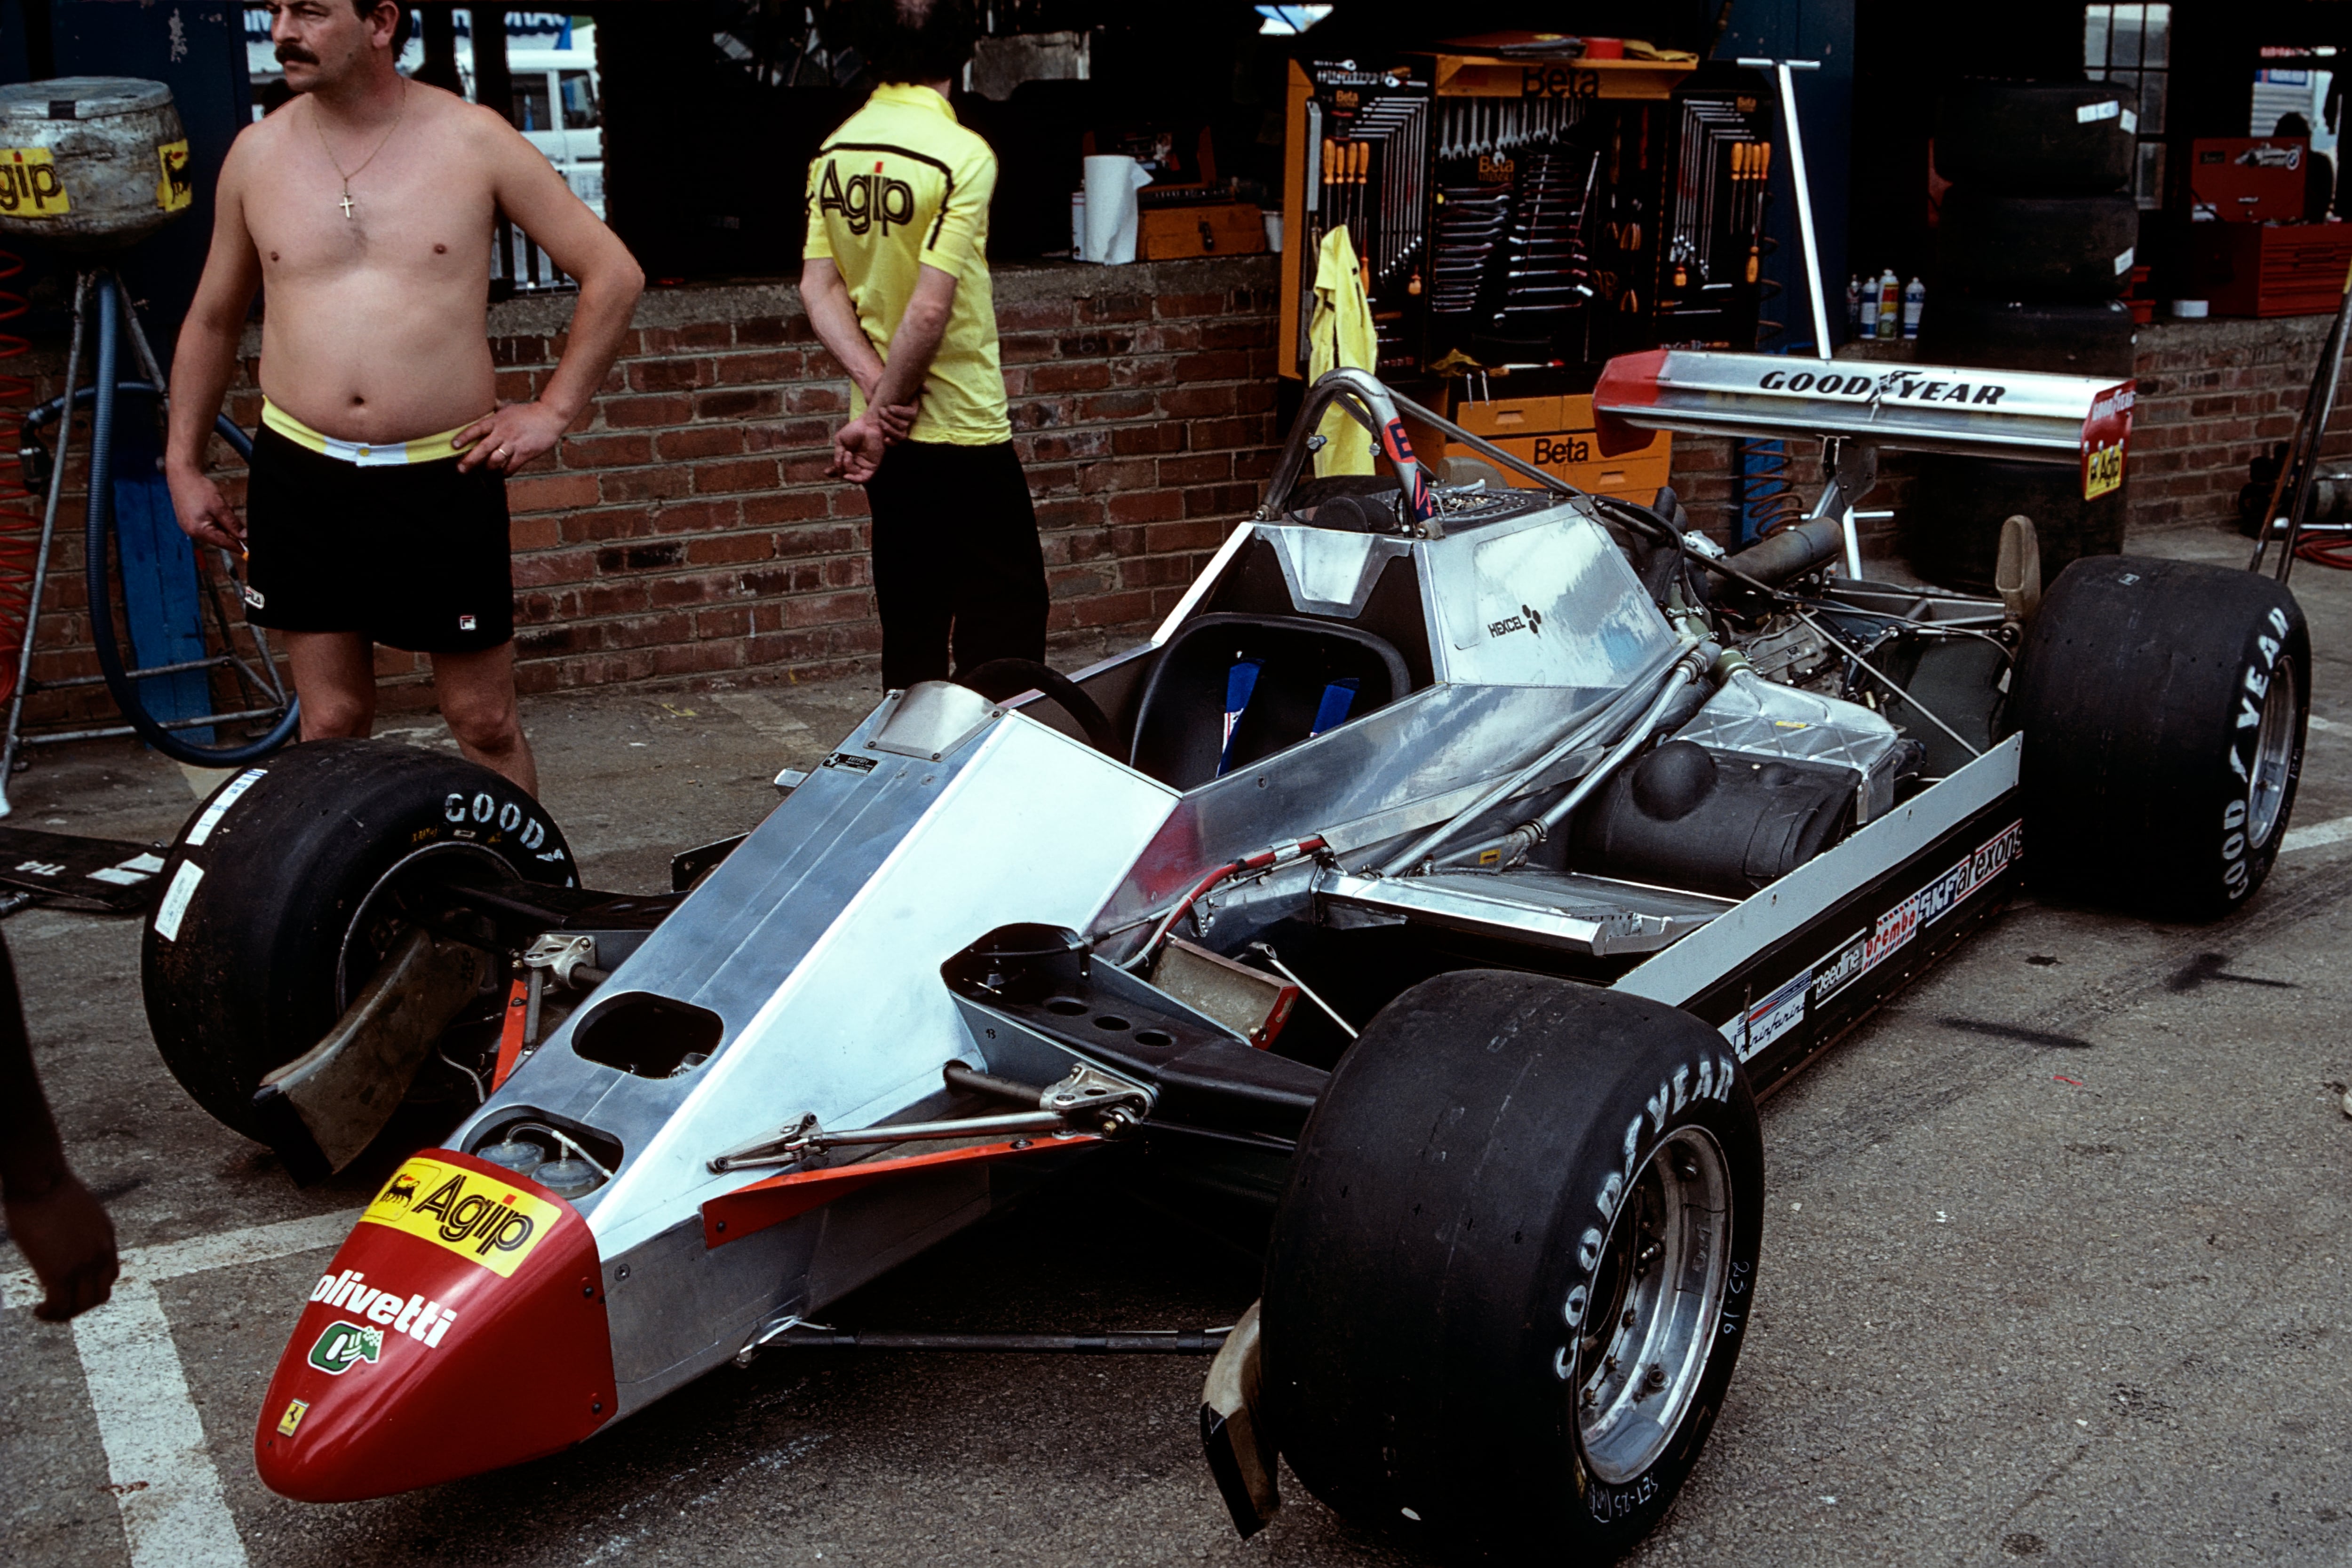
2274	756
1651	1316
381	918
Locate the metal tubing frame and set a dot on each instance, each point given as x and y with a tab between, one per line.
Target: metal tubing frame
12	743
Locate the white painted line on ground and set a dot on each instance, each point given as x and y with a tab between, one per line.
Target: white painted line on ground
2319	833
2329	727
163	1480
766	719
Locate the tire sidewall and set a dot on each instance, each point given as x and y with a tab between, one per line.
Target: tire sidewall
2276	641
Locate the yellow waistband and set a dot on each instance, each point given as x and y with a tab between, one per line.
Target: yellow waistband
424	449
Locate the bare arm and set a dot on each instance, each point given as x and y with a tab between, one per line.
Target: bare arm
206	360
825	298
859	444
916	341
530	191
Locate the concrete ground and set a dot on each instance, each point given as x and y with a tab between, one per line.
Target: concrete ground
2058	1245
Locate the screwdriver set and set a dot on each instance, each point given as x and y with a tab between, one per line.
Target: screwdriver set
1508	217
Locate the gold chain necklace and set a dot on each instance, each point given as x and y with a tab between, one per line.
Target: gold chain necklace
327	148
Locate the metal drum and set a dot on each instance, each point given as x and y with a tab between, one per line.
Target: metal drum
90	164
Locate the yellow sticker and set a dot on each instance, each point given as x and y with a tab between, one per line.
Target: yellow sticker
478	1217
29	186
174	190
2103	472
292	1418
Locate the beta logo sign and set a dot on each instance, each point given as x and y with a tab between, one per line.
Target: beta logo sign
343	1347
478	1217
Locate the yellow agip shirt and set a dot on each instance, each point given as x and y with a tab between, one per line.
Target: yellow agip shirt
900	186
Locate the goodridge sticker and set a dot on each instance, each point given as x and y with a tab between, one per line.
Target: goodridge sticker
478	1217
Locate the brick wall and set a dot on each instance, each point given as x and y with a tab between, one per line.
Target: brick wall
687	528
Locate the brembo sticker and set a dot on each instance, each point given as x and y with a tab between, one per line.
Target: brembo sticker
1893	930
478	1217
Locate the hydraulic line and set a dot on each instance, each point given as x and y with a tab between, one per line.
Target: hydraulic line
1583	726
1512	847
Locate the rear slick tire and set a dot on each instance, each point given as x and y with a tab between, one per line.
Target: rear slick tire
282	895
1470	1340
2164	704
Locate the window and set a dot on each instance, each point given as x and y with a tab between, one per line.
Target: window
580	101
2131	46
531	111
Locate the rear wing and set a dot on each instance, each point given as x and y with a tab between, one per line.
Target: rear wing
1973	411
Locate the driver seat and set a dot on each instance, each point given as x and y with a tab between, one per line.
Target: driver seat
1231	689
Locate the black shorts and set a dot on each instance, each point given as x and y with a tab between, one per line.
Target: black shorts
411	555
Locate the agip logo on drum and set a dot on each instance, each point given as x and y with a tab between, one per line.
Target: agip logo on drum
29	185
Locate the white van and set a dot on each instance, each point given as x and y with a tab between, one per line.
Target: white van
557	109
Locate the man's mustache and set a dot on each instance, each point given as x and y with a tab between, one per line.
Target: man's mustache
292	52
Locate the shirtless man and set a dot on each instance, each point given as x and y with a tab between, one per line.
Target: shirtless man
377	504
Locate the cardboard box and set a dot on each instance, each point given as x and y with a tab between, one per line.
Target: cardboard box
1568	451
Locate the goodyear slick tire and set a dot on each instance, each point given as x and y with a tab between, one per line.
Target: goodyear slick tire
240	963
2036	247
2035	139
2147	692
1950	526
1470	1183
2062	339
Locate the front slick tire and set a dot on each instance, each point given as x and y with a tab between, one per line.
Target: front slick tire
1514	1267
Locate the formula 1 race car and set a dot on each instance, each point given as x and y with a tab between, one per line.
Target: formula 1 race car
1452	870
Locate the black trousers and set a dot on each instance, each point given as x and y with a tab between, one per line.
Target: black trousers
956	559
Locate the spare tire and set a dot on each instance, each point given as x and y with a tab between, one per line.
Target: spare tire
1950	529
1514	1267
2164	705
2036	247
281	896
2036	139
2062	337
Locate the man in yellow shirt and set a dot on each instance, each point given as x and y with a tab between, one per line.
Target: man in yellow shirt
895	281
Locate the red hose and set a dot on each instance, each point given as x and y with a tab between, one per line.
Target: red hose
20	519
2333	551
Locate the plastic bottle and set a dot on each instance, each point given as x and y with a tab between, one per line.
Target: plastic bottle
1854	305
1915	300
1865	308
1890	305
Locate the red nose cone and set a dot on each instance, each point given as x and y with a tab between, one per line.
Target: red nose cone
460	1328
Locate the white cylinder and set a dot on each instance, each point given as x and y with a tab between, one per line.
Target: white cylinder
1112	182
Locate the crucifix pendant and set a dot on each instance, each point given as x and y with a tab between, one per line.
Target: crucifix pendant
347	205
